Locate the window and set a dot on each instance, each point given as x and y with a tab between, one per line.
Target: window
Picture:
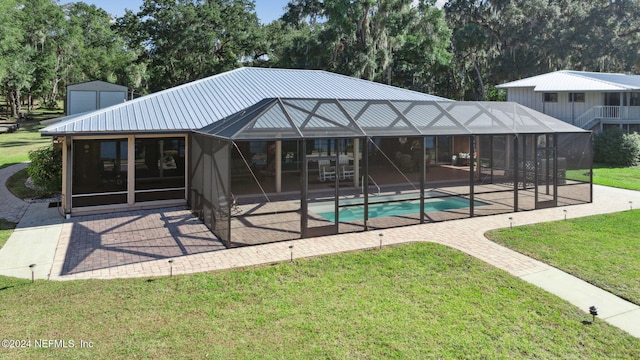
160	169
576	97
550	97
99	172
634	99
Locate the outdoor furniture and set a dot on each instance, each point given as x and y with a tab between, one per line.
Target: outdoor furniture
346	170
326	171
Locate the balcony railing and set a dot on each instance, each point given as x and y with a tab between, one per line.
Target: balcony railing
596	113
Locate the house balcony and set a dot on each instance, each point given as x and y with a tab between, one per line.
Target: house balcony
600	115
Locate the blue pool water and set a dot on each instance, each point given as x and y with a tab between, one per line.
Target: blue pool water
356	212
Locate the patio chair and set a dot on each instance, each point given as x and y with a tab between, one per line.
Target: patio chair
346	170
326	171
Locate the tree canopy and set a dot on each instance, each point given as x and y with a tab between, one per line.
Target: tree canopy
460	51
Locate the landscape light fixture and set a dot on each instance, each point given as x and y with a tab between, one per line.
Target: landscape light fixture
32	266
630	205
291	249
510	222
381	235
593	311
565	214
170	267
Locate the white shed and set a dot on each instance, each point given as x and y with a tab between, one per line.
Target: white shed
93	95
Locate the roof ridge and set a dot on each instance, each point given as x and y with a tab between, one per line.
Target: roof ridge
385	85
580	74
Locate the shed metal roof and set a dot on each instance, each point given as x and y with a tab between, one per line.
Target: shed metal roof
577	81
97	85
296	118
200	103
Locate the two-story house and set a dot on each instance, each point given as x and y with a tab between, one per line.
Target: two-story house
590	100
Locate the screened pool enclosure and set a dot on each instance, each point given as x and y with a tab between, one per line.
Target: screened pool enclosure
289	168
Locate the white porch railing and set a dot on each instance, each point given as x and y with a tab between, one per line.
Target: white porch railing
589	118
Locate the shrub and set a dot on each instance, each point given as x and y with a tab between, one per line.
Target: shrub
45	168
51	105
616	148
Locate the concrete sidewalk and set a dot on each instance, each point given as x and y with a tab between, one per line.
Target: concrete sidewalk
34	241
38	241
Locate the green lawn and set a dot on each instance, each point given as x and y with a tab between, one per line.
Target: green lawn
15	147
6	228
603	249
414	301
627	178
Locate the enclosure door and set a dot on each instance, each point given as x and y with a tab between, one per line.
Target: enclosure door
334	200
545	172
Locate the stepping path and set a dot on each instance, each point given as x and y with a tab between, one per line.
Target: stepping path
11	208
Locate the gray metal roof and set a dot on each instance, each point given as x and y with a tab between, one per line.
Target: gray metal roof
97	85
200	103
577	81
295	118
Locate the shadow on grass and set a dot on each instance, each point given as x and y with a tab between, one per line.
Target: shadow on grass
15	143
7	165
12	283
609	166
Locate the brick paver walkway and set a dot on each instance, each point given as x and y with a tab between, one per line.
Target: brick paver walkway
466	235
11	208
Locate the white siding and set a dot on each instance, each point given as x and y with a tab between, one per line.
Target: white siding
526	97
563	109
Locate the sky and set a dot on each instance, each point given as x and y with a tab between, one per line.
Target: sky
267	10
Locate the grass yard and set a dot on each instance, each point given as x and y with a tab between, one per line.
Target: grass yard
627	178
414	301
16	185
6	228
602	250
15	147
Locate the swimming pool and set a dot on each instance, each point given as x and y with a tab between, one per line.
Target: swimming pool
353	209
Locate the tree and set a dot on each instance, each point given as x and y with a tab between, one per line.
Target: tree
185	40
43	22
98	52
391	41
498	41
424	50
11	34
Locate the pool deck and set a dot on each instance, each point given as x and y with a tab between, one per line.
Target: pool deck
125	245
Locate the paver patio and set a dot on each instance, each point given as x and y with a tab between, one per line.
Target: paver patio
98	242
138	244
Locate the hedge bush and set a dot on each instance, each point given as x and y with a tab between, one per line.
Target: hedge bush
613	147
45	168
